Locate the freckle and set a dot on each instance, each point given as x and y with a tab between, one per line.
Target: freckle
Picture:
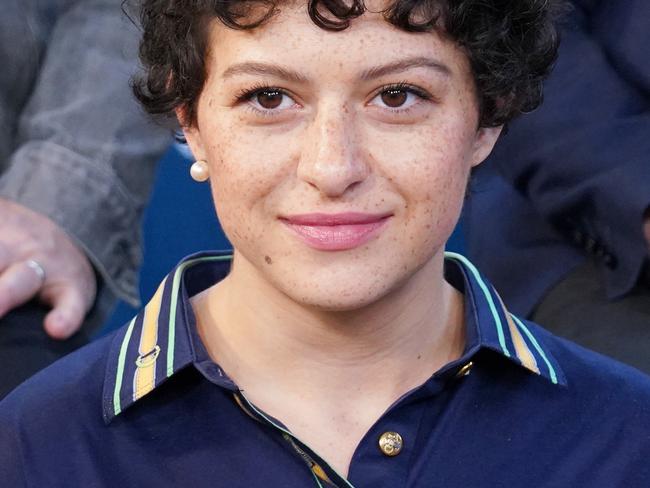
419	356
268	260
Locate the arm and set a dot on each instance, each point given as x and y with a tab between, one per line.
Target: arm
85	154
583	159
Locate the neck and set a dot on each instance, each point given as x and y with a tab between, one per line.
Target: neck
397	342
328	376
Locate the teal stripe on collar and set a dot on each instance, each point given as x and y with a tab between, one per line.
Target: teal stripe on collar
119	376
551	370
488	297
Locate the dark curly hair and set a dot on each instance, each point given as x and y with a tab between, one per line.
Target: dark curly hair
511	44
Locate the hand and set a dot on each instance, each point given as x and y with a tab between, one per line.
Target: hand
69	286
646	229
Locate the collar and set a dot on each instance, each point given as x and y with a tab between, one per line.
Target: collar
491	326
162	338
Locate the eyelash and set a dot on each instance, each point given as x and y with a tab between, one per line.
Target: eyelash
406	87
247	94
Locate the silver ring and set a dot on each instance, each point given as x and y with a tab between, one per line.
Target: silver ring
38	269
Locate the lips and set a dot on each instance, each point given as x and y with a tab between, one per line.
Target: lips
336	232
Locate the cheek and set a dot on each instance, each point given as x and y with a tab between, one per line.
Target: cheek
427	163
428	169
240	158
246	168
434	215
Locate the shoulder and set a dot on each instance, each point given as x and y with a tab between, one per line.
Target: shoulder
598	381
604	412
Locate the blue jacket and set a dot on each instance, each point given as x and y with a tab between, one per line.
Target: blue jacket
572	179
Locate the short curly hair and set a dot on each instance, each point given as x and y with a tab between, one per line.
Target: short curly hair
511	44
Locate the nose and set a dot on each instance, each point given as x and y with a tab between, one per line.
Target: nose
331	159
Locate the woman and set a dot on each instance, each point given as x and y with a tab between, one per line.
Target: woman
337	347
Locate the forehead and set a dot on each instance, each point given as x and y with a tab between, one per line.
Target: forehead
291	38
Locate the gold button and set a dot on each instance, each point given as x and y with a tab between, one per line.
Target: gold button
465	370
391	443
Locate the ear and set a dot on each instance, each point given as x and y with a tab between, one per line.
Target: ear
192	135
486	138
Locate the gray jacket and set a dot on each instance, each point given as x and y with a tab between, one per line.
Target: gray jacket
74	144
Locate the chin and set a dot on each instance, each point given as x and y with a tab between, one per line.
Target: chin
339	302
346	303
351	290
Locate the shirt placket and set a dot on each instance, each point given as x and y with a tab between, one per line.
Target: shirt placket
324	475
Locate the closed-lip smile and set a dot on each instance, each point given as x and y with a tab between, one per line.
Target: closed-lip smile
336	231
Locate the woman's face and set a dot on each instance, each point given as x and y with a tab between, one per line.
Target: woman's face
338	160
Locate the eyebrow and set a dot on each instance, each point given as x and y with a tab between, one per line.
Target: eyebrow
405	65
255	68
264	69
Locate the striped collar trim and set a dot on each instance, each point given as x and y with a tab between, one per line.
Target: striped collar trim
156	343
503	332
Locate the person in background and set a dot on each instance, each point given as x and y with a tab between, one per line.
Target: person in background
565	196
77	158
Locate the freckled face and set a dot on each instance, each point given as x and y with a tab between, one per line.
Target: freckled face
300	124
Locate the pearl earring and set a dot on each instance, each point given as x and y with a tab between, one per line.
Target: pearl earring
199	171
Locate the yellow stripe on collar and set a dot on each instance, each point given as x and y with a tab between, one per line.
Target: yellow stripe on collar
522	350
145	373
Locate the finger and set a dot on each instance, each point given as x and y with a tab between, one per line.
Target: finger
67	314
18	284
5	257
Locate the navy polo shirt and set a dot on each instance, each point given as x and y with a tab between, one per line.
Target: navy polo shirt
146	406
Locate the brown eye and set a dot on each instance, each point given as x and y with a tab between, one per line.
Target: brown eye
394	97
269	99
